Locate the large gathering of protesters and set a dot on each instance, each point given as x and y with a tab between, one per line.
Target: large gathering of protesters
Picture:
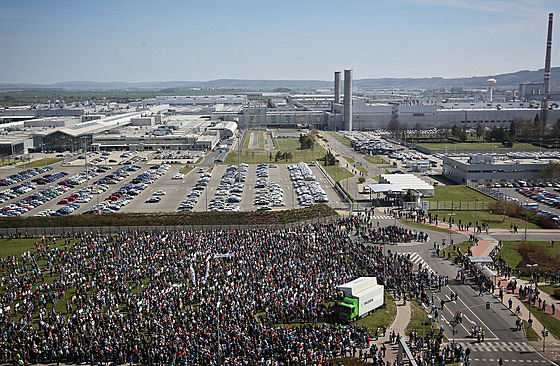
200	297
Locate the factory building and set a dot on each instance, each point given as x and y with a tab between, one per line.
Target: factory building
485	168
196	100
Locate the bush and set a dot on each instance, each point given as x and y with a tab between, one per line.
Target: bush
361	180
173	218
514	210
556	294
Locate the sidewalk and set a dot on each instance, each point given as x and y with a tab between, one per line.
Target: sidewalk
399	326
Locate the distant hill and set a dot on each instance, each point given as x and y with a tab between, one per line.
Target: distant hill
508	81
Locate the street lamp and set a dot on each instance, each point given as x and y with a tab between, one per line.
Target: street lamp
540	144
530	321
526	212
450	225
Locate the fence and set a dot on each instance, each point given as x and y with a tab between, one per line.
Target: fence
488	191
459	206
66	230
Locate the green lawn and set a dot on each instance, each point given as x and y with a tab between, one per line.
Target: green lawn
16	246
349	159
343	140
381	317
362	169
41	162
338	173
419	320
544	255
376	159
285	145
187	169
475	146
530	333
551	323
465	245
496	221
261	140
460	193
424	226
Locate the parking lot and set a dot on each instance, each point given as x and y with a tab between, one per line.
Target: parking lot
142	186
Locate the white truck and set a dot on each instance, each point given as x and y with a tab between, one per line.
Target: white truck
364	295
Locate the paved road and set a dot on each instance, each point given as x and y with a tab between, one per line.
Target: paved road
501	339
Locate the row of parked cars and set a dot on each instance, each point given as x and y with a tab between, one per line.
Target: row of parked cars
32	201
230	189
192	198
542	196
125	194
272	195
308	190
23	175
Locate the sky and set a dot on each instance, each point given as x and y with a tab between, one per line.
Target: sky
46	42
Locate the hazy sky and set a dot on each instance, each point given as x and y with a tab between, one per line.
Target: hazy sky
52	41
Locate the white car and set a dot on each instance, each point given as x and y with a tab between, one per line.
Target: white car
178	176
161	192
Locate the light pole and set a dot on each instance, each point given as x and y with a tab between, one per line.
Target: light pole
526	212
44	154
540	144
85	158
450	226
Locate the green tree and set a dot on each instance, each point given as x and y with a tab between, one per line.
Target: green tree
329	159
552	170
555	131
479	130
409	196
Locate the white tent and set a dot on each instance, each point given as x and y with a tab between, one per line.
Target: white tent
408	181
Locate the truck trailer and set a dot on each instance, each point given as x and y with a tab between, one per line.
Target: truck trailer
363	296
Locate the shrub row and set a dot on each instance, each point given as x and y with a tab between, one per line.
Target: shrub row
173	218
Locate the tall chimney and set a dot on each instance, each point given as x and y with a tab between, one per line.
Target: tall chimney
348	100
337	87
547	59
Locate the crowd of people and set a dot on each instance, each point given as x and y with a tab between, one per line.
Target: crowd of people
197	297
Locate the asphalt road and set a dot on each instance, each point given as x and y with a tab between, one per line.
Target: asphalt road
501	339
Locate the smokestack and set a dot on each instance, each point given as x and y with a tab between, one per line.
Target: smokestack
547	59
348	100
337	87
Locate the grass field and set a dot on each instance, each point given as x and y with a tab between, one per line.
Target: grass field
362	169
477	146
423	226
338	173
343	140
375	159
496	221
40	162
16	246
381	317
261	140
349	159
419	320
510	253
187	169
530	332
460	193
285	145
552	324
465	245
